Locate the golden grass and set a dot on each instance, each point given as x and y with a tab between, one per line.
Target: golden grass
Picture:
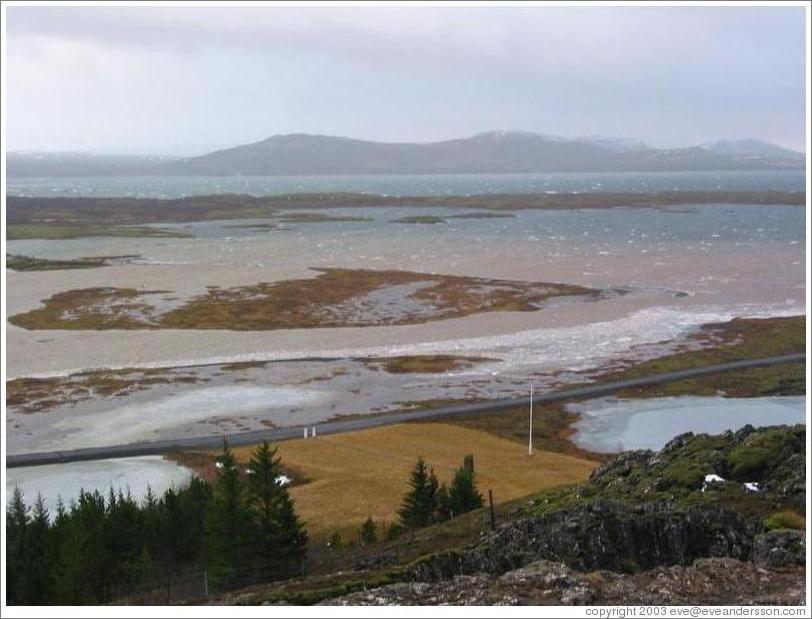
355	475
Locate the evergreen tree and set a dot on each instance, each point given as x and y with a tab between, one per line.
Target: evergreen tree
226	523
16	528
418	504
124	540
463	493
38	556
279	539
81	573
442	510
291	536
369	532
432	487
263	494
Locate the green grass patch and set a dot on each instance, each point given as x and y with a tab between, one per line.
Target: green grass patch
52	231
785	519
28	263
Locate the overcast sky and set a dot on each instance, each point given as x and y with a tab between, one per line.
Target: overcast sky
188	80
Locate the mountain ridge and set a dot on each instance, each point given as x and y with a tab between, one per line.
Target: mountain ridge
490	152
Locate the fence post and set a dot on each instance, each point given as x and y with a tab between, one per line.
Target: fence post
206	584
493	514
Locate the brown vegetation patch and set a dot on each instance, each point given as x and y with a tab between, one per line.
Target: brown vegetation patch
34	395
336	298
238	366
91	308
424	364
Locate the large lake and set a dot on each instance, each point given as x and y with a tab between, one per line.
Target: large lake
409	184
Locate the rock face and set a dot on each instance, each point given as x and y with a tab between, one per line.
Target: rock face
706	581
619	537
780	548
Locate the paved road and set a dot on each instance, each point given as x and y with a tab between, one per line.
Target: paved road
360	423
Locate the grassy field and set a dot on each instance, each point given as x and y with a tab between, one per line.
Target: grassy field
350	477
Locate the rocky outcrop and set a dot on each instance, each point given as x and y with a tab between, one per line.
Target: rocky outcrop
773	458
603	535
706	581
781	548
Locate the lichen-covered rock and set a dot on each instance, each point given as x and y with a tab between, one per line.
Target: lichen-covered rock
774	457
780	548
603	535
706	581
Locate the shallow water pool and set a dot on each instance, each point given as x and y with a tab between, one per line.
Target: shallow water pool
610	425
67	480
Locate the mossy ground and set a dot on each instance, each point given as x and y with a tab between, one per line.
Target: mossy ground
77	231
28	263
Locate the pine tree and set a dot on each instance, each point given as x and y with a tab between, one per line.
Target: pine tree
369	532
418	504
432	487
38	556
442	509
279	538
16	529
292	538
263	493
226	523
463	492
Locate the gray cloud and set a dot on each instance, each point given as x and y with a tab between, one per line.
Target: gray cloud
189	79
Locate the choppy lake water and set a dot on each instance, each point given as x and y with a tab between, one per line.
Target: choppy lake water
408	184
610	426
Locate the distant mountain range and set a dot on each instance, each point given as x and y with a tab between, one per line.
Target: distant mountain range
491	152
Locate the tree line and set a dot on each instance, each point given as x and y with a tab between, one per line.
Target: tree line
240	528
429	501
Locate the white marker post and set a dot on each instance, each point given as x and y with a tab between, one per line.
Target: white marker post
530	437
314	432
305	432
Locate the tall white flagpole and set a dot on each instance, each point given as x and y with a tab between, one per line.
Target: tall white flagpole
530	437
